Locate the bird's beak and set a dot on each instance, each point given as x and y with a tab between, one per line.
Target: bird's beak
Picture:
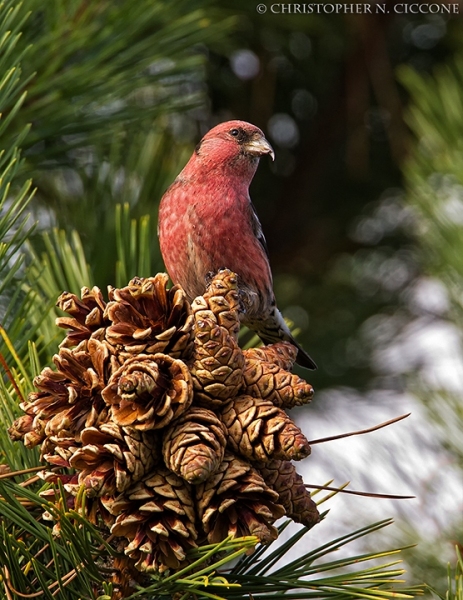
258	147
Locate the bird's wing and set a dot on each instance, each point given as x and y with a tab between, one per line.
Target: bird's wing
257	228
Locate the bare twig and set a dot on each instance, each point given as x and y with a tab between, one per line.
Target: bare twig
356	493
11	474
361	432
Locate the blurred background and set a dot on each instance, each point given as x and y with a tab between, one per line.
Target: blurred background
362	208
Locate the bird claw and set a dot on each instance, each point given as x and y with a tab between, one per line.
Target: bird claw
242	301
209	277
211	274
246	300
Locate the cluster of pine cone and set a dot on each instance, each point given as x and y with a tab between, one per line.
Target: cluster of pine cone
176	434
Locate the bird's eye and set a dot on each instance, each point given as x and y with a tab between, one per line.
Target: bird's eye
234	132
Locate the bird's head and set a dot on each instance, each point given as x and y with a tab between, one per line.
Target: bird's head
234	146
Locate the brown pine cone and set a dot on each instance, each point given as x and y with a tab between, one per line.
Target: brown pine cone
194	445
68	398
58	448
23	429
113	458
259	430
236	501
146	376
157	517
148	318
282	354
217	365
266	380
149	391
220	302
281	476
63	439
87	316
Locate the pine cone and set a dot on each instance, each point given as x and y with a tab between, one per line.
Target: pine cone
263	379
157	517
259	430
57	449
236	501
194	445
147	375
87	316
62	439
148	318
281	476
149	391
282	354
217	366
113	458
70	397
220	302
23	429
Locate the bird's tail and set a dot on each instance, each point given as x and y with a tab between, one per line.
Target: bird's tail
303	359
273	329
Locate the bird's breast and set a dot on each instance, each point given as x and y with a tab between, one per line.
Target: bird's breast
204	228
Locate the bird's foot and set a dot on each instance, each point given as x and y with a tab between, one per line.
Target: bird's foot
243	298
211	274
209	277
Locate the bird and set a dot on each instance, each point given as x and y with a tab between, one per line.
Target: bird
207	222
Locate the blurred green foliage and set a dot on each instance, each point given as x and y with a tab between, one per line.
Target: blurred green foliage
434	181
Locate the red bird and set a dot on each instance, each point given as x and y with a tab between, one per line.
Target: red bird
207	222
